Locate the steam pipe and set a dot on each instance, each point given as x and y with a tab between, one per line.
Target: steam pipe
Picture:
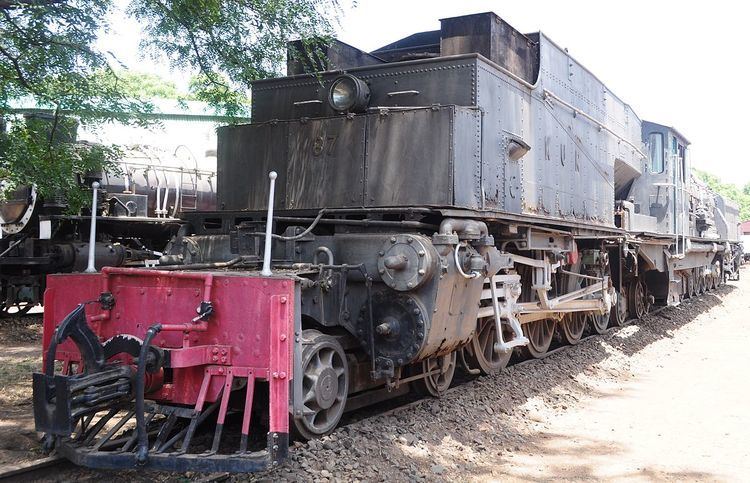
177	193
203	266
92	232
266	272
467	228
165	202
157	205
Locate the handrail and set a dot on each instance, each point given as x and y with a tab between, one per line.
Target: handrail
549	94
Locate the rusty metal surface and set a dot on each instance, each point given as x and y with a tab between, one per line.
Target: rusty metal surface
410	158
326	163
492	37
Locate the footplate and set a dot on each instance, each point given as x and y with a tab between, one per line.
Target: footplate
110	442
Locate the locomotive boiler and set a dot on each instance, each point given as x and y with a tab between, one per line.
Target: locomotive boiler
137	213
439	203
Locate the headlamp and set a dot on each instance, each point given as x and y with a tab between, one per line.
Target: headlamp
348	94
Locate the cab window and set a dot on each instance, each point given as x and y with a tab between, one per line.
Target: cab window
656	152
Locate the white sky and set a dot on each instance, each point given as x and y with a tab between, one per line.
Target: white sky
680	63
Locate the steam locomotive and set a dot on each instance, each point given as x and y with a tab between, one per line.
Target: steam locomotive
136	217
444	201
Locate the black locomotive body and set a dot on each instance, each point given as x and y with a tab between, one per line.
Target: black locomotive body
137	209
441	202
430	179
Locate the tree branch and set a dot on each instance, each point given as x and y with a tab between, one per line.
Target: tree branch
209	73
8	4
19	72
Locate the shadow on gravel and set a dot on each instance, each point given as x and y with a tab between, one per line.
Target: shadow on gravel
489	423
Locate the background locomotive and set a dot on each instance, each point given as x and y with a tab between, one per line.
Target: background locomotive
440	201
137	216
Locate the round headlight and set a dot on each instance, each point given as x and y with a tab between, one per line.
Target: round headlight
349	94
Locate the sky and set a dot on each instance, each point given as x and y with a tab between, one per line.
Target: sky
680	63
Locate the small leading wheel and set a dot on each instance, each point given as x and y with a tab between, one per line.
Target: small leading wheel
571	327
325	383
638	303
618	315
540	335
481	354
443	369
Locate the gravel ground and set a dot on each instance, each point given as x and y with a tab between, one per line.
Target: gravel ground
509	426
585	412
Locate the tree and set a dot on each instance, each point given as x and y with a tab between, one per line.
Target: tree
49	55
143	85
729	191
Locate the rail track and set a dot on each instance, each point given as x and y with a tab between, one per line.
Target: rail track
41	469
45	469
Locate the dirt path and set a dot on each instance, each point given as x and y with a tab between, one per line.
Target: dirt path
20	355
682	413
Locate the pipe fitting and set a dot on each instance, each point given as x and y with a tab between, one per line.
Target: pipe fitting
465	229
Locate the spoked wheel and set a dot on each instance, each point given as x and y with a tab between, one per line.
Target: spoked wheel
638	300
325	384
436	384
618	315
572	326
480	353
540	335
